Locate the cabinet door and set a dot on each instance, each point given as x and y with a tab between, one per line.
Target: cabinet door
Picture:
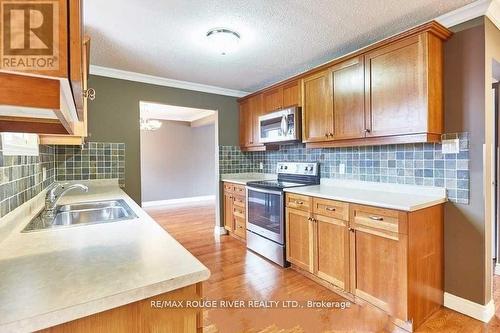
331	248
76	54
299	238
348	86
228	211
317	107
245	124
291	94
256	110
395	79
273	99
378	269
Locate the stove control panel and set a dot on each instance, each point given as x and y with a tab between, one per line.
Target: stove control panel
298	168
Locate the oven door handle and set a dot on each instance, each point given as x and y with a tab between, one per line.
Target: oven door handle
249	188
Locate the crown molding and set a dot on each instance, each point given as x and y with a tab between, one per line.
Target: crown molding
493	13
465	13
161	81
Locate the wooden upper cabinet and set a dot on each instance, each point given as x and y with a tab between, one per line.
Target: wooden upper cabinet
256	110
245	120
348	89
273	99
76	50
291	94
399	98
283	96
317	123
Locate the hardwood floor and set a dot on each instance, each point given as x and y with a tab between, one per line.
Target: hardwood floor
239	274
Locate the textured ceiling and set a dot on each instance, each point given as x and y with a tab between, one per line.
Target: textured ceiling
279	38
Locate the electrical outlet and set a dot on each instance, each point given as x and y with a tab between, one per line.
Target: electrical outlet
44	174
261	166
451	146
341	168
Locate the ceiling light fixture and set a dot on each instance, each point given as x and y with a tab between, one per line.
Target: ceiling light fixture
149	124
224	40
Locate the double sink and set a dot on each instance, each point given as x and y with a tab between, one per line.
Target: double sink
83	213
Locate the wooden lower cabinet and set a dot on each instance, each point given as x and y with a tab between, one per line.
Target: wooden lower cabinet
299	238
391	259
235	209
331	246
141	316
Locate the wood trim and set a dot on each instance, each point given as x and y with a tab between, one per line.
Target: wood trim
373	300
29	91
432	27
31	125
76	49
370	141
61	140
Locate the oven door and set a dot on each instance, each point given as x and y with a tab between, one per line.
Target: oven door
265	213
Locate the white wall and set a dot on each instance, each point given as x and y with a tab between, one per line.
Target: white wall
177	161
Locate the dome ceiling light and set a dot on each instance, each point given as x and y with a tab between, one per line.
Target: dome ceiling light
223	40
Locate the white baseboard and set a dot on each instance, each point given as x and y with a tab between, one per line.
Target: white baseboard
497	269
178	201
219	230
477	311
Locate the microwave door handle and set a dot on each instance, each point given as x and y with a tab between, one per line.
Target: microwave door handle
284	125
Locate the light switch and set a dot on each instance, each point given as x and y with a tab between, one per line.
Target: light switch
44	174
451	146
341	168
261	166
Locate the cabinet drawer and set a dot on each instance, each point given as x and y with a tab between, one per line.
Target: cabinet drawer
239	189
229	187
376	218
240	228
297	201
239	212
239	201
331	208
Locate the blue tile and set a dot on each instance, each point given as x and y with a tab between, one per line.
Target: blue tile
419	172
463	174
439	164
428	173
439	182
428	155
408	155
391	163
400	155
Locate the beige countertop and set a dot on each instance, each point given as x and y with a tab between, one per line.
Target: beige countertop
244	178
54	276
394	196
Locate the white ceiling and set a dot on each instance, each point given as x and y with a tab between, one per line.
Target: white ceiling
172	112
279	38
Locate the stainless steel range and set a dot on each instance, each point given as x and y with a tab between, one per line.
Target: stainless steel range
266	208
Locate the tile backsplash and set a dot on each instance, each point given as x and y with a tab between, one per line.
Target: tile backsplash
415	164
93	160
21	177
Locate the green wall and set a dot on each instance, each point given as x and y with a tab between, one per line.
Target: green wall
114	117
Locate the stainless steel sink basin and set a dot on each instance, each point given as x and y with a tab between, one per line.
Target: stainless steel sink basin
83	214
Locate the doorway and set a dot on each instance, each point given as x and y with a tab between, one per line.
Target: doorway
178	155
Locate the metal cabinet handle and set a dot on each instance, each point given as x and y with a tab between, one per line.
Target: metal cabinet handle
330	134
331	209
351	229
299	202
367	130
376	218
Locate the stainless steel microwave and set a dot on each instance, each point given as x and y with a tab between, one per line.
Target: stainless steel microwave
281	126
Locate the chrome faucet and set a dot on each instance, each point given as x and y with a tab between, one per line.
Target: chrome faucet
52	197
